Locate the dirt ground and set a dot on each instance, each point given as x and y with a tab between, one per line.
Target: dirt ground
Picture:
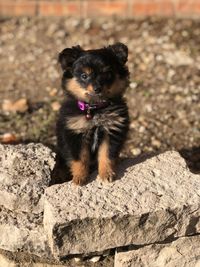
21	259
164	91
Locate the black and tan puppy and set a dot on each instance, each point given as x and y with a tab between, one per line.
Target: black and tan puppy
93	121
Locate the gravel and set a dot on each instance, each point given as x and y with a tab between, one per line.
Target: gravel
164	92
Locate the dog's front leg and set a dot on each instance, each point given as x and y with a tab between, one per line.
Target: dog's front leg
106	164
80	167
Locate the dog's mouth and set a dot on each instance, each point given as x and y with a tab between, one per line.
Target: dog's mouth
95	97
93	94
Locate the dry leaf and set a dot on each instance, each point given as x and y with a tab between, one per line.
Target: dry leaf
7	138
53	92
55	105
20	105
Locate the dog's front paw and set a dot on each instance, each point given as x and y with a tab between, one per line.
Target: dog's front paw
107	173
79	172
79	180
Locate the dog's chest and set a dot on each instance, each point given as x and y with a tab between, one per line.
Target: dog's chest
104	122
107	121
95	138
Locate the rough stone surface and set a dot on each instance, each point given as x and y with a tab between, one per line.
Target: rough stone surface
24	174
6	262
154	200
43	265
23	232
182	252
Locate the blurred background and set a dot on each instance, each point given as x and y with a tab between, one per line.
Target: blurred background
163	37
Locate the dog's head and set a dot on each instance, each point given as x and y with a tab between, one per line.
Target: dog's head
89	74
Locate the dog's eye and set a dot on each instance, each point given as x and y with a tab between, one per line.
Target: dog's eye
84	76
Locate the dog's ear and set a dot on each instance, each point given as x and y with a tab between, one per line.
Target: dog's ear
68	56
121	51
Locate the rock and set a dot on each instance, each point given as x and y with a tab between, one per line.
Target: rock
133	85
20	105
24	174
44	265
7	138
25	171
53	92
156	143
178	58
5	262
23	232
135	151
76	259
182	252
152	201
95	259
55	105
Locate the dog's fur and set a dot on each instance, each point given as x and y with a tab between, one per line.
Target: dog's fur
92	76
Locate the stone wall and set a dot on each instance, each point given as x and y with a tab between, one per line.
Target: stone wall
148	217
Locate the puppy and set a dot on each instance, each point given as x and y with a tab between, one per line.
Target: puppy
93	121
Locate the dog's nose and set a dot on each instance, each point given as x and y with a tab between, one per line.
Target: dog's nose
97	89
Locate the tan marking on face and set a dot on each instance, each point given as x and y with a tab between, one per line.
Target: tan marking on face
90	89
80	168
106	166
78	123
87	70
117	88
76	90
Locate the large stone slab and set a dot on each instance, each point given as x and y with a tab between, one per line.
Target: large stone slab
152	201
182	252
24	174
23	232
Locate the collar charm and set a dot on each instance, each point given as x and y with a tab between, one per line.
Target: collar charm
84	106
88	115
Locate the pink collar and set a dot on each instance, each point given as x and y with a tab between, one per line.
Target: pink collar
82	105
85	106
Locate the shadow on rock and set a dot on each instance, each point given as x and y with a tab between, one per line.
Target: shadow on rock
61	172
192	158
125	163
